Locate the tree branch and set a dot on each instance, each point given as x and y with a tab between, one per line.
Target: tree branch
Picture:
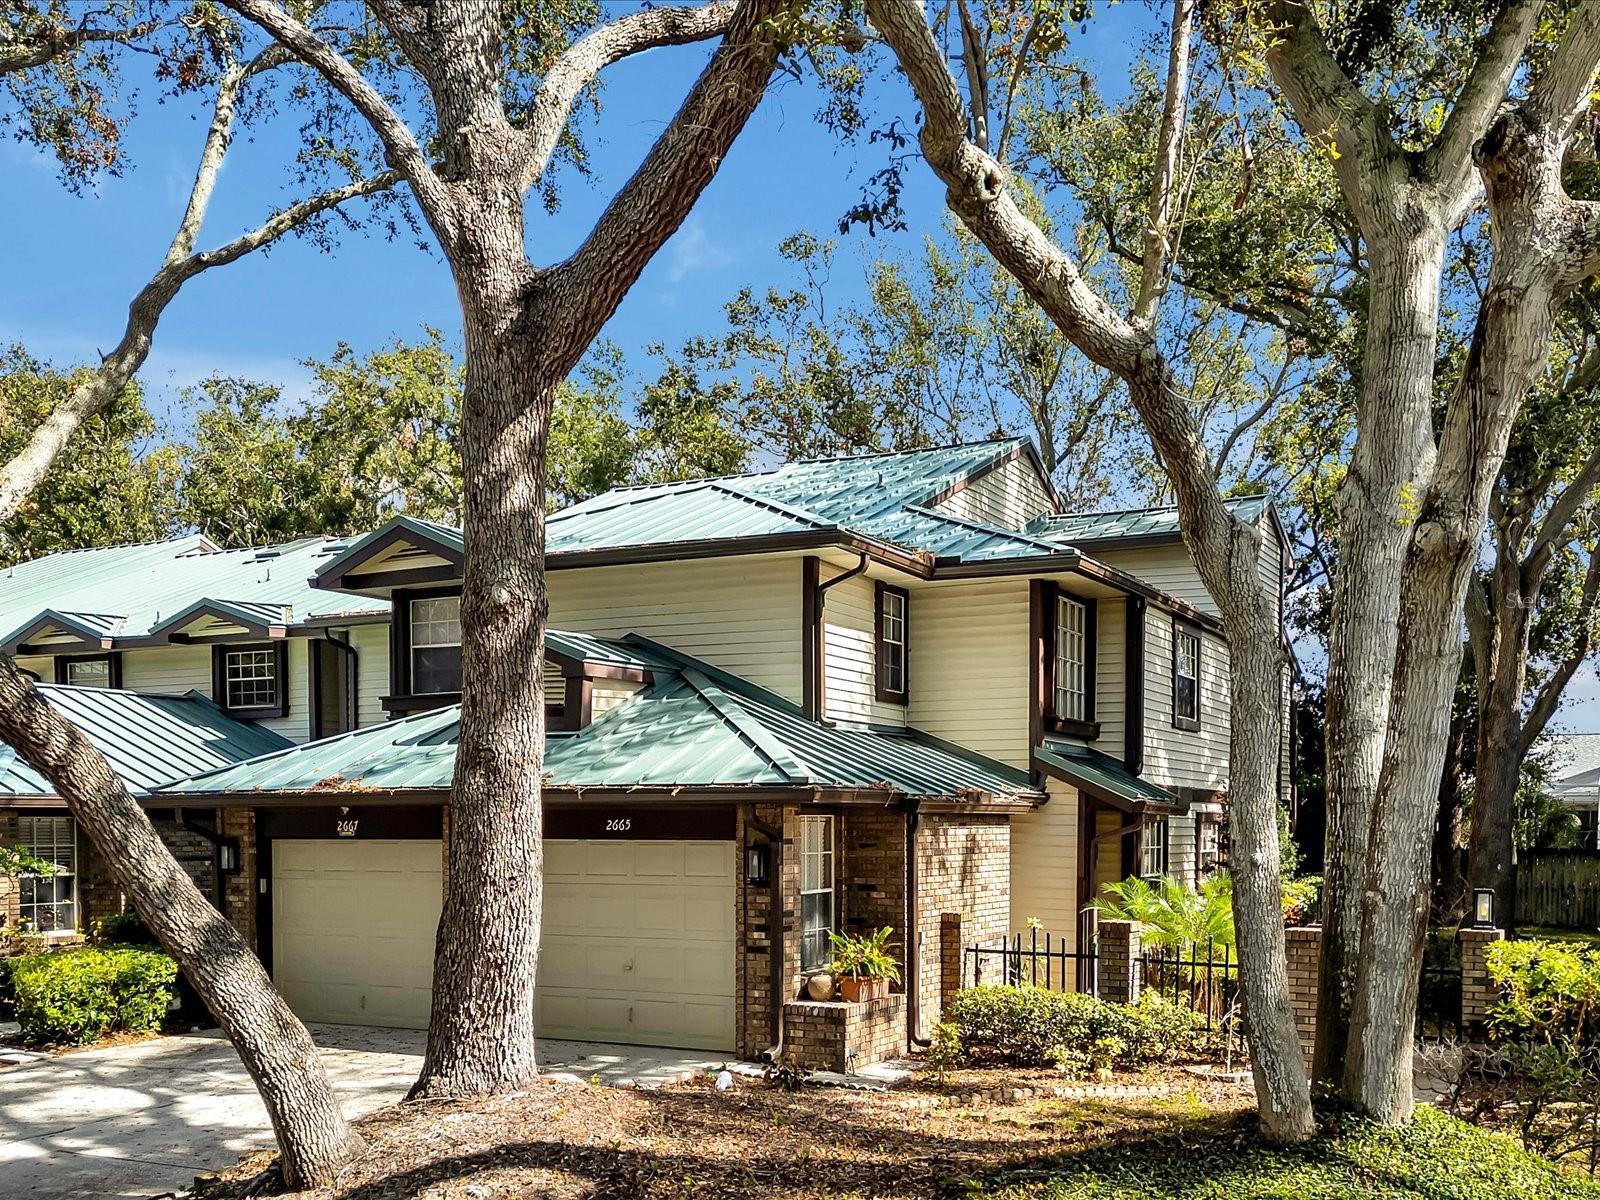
1548	699
53	42
1559	516
649	208
574	70
402	150
22	474
1561	91
1450	156
1158	248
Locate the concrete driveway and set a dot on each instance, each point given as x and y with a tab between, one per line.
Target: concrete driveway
144	1118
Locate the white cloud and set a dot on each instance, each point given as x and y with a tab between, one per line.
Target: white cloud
692	249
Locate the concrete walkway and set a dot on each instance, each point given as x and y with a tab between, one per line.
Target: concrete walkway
144	1118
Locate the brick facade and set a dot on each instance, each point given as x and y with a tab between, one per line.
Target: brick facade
240	887
10	901
1304	947
834	1036
963	866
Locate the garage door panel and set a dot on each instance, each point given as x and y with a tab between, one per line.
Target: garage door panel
637	946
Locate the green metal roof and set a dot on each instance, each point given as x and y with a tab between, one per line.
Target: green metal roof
694	727
1100	772
131	592
1078	529
149	740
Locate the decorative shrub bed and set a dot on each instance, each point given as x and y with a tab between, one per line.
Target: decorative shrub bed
1033	1027
1550	992
76	996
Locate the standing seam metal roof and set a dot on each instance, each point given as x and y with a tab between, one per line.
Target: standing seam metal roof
148	739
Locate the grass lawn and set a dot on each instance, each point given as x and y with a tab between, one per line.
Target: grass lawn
925	1140
1549	933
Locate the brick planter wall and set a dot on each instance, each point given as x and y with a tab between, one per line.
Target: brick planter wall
834	1036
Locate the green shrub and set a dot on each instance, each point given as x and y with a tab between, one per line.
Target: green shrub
122	929
1033	1027
75	996
1550	992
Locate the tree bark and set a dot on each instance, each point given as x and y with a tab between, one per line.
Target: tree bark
313	1137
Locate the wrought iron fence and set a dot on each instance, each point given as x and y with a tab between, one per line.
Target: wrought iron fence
1202	976
1039	960
1439	989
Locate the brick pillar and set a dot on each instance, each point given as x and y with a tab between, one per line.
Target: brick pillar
1304	946
10	893
1118	961
240	888
1478	991
950	955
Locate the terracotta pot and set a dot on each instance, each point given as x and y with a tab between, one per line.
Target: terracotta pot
859	990
819	987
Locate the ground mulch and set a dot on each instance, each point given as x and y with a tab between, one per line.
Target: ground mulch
925	1138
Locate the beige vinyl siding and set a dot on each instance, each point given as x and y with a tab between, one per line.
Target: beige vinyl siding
849	646
1179	757
1009	496
42	665
1111	676
1168	568
297	725
371	644
170	669
741	614
611	693
969	666
1044	865
1181	849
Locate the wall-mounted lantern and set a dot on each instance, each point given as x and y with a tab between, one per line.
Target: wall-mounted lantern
757	864
228	855
1483	908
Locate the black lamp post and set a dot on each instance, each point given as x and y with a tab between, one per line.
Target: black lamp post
1483	908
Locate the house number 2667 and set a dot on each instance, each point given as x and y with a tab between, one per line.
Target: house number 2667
618	824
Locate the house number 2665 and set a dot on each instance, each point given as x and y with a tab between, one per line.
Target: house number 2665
618	824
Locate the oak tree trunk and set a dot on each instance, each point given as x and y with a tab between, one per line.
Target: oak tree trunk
1376	505
276	1049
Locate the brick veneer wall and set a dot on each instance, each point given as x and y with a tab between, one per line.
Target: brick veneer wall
1478	991
1304	947
963	866
834	1036
240	887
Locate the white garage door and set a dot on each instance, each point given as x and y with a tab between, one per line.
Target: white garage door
638	941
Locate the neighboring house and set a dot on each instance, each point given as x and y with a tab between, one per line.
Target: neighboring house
855	692
1575	781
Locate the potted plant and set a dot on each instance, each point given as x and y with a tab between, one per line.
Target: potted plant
863	965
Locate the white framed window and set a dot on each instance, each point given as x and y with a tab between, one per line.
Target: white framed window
250	678
49	903
435	645
893	612
1185	677
816	892
88	672
1208	848
1071	659
1157	840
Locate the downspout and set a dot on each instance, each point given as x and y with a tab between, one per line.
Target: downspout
774	926
818	651
913	932
1097	839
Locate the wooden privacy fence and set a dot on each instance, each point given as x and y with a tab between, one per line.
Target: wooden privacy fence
1559	888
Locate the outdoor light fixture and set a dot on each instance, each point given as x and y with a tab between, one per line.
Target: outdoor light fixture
228	856
757	863
1483	908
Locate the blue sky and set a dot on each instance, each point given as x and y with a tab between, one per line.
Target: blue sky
67	285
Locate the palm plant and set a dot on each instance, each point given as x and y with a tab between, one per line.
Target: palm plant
1173	914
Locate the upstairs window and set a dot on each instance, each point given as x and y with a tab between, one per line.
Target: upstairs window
249	681
893	608
101	671
1071	666
1157	841
49	903
436	645
816	892
1185	677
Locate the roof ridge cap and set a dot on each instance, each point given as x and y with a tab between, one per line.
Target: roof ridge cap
727	706
781	506
984	526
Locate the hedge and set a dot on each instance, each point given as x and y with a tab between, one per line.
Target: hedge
1435	1158
1550	991
1032	1027
76	996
